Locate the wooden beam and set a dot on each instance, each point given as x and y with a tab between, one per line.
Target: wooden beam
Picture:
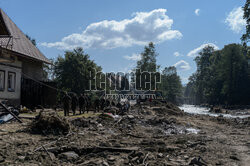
5	108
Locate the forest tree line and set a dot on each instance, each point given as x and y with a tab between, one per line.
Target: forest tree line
71	72
222	77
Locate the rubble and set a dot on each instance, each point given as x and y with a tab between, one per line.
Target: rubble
145	135
68	156
8	113
49	123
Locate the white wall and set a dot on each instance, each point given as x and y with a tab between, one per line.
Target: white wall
14	67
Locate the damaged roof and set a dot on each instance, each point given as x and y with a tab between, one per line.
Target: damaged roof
21	44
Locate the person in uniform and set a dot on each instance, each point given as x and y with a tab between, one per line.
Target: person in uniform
113	103
66	104
102	103
81	104
74	103
107	103
97	104
88	102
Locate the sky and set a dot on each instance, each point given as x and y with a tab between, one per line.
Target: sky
114	33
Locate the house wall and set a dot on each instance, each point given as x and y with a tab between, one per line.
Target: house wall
15	67
33	69
19	66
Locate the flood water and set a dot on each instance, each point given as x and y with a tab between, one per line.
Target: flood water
192	109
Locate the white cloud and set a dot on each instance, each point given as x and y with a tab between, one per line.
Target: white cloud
177	54
184	80
235	20
182	65
144	27
197	12
133	57
195	52
129	68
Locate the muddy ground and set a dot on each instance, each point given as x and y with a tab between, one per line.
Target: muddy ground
157	135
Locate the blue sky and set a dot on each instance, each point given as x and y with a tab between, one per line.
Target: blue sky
180	28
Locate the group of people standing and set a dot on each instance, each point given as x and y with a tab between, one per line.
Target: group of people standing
84	102
73	101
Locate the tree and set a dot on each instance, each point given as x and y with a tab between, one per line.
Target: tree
170	87
233	72
72	72
146	64
203	73
148	59
171	84
190	90
246	16
222	77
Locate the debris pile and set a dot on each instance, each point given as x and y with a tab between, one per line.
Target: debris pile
147	134
49	122
80	122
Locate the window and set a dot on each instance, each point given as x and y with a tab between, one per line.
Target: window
11	81
2	80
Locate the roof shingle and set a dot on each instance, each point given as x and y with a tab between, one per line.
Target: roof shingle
21	44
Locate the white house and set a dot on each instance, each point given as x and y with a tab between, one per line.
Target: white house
19	59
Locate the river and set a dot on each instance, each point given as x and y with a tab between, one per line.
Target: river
192	109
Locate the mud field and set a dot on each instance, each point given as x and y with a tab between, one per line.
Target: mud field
160	134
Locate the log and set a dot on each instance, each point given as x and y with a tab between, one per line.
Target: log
6	109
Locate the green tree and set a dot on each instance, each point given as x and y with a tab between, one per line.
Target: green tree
203	73
147	63
190	90
233	72
245	37
72	72
171	84
222	77
148	59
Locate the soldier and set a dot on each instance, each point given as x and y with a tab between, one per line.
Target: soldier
88	102
66	104
150	101
74	103
97	104
138	101
107	103
102	103
81	104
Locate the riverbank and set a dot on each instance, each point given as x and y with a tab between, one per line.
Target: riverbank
157	135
